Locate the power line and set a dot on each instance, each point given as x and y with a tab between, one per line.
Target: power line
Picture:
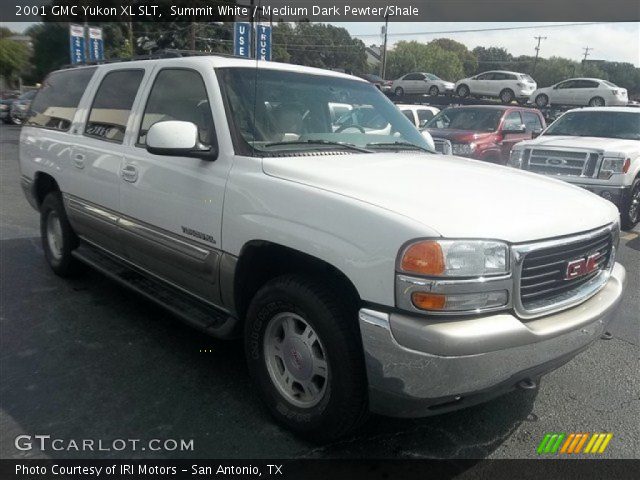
495	29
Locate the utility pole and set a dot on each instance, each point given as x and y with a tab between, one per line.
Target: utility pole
192	36
586	52
535	62
383	64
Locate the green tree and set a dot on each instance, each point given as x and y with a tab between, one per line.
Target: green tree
468	59
554	69
419	57
50	48
492	58
14	58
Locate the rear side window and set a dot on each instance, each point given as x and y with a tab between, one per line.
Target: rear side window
531	121
57	100
179	94
112	105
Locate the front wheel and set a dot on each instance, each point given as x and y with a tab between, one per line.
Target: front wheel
304	352
58	238
434	91
399	92
463	91
542	100
630	212
507	95
597	102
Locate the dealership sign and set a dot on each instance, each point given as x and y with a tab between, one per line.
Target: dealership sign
96	44
242	39
263	42
76	39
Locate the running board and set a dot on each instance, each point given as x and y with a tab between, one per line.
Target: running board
198	314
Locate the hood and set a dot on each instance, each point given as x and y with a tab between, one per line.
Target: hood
454	196
599	144
458	135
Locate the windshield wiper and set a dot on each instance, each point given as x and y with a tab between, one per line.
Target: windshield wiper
399	144
350	146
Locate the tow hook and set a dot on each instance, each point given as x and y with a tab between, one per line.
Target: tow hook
606	336
527	384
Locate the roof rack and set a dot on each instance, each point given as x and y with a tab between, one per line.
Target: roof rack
165	53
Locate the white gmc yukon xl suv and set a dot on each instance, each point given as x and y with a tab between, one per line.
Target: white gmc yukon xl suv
364	272
595	148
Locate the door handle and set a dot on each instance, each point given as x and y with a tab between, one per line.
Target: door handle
78	160
130	173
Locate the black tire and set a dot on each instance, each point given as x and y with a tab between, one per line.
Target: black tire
630	213
597	102
542	100
342	406
434	91
463	91
399	92
507	95
15	120
58	256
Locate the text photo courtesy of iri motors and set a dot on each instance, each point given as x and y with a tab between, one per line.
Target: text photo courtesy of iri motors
245	239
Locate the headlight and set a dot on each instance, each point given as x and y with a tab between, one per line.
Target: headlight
463	148
613	165
515	158
455	258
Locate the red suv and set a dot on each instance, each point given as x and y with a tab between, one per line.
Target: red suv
484	132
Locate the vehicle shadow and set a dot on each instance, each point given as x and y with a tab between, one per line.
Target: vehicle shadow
87	359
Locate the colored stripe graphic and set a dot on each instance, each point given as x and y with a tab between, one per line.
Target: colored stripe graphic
573	443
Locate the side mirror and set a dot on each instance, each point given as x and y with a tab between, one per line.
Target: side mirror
423	123
536	133
429	139
514	130
177	138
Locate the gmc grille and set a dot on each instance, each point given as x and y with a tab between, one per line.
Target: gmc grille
562	162
543	279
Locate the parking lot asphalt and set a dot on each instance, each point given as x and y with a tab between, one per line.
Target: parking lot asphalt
87	359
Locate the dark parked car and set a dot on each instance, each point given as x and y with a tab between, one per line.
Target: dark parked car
379	82
484	132
20	107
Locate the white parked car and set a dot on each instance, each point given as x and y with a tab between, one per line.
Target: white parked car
581	91
595	148
507	86
421	83
419	115
364	272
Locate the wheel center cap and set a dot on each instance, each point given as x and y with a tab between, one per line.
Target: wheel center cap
297	358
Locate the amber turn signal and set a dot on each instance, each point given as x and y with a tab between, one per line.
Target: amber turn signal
423	258
428	301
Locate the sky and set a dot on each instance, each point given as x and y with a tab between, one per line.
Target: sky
608	41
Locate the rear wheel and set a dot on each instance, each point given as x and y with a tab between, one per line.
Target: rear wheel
304	352
58	238
507	95
434	91
463	91
630	214
597	102
399	92
16	120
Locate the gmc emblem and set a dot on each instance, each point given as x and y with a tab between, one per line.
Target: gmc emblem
582	266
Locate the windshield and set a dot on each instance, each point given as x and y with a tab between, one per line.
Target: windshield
475	119
624	125
292	112
431	76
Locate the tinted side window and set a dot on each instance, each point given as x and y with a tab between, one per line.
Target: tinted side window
513	121
424	116
412	76
567	84
484	76
179	94
409	115
498	76
112	104
57	100
531	121
588	84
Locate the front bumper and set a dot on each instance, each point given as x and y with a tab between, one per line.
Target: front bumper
617	194
420	366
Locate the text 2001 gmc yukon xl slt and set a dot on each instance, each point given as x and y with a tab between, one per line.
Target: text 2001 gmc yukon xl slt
364	272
